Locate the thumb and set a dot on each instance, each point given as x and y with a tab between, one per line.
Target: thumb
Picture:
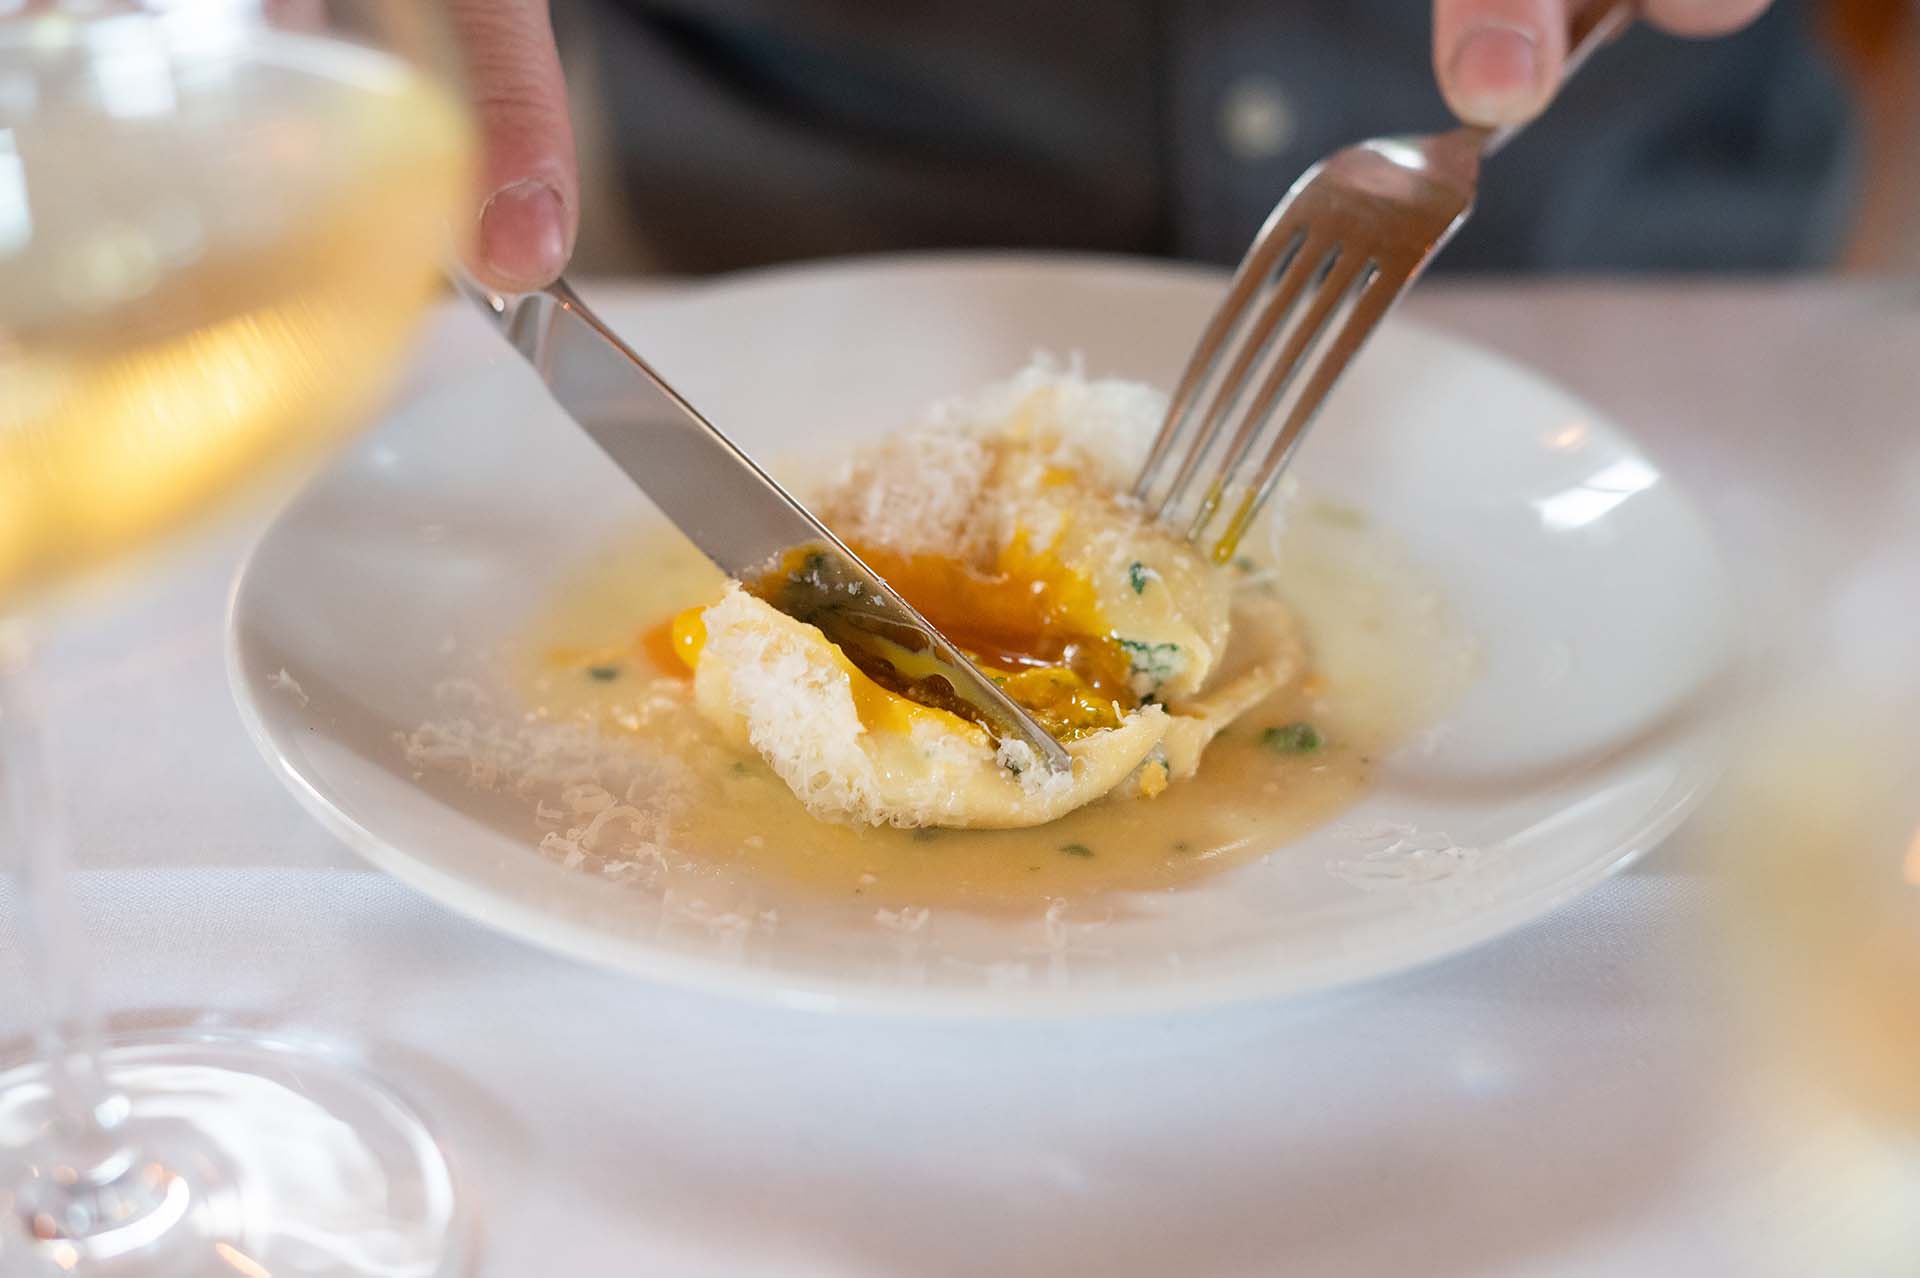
529	210
1499	61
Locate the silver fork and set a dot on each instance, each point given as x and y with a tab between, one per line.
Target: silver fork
1335	255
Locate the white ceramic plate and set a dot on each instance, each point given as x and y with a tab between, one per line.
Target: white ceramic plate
1595	597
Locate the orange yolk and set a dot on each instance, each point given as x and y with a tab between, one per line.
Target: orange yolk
674	644
1032	623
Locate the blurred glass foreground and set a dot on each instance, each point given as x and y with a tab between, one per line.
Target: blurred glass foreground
219	220
1816	834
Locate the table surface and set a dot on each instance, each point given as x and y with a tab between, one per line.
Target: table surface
1567	1100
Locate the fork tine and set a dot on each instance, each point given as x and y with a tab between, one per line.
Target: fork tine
1376	295
1347	276
1271	252
1307	267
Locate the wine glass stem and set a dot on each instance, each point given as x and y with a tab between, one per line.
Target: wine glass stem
67	1028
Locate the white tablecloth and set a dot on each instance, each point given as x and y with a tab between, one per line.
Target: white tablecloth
1566	1100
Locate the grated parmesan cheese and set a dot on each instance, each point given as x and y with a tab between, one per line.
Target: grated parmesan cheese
609	808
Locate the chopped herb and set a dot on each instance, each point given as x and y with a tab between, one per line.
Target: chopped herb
1183	846
1138	574
1244	563
603	674
1295	738
925	834
1151	664
1077	849
739	768
813	563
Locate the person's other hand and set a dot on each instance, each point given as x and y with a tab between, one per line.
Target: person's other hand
528	204
1500	61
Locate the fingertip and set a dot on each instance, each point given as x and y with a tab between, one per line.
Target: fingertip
525	236
1496	74
529	183
1703	18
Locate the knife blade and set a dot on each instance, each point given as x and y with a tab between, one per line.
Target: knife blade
744	521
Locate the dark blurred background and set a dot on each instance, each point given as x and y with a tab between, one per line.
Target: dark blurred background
725	133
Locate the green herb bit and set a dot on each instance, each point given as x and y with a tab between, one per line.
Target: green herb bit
1156	661
1077	849
1294	738
603	674
739	768
1183	846
1138	575
925	834
1244	563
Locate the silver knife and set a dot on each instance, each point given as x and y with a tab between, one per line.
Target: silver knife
737	515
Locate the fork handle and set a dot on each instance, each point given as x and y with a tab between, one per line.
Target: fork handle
1594	24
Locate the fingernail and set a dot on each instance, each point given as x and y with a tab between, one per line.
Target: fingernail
523	233
1495	74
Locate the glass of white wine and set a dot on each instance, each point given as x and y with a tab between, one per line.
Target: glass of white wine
219	220
1817	833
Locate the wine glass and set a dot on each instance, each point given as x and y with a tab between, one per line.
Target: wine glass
219	220
1817	831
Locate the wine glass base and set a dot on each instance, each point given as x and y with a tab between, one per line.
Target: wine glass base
244	1156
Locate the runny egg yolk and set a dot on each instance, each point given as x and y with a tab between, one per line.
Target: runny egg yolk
1035	626
1031	622
687	635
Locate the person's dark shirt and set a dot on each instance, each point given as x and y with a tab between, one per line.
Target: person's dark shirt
751	131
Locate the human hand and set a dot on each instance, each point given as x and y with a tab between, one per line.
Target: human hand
528	204
1500	61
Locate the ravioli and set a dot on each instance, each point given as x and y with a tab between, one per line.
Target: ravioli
852	750
1006	527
